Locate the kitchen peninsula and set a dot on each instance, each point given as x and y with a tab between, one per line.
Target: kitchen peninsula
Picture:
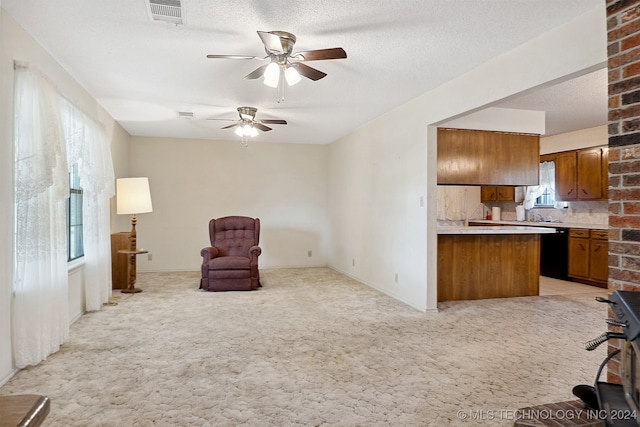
488	262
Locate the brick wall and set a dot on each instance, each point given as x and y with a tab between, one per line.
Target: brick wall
623	30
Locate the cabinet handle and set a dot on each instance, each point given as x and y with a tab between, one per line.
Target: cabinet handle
584	191
597	248
581	246
570	191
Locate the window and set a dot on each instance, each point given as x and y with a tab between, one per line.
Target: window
547	188
548	198
75	245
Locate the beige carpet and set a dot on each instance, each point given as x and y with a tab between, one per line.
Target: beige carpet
312	348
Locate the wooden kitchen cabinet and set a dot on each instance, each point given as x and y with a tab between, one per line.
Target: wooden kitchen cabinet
477	157
566	175
582	174
501	194
589	174
119	262
599	256
588	256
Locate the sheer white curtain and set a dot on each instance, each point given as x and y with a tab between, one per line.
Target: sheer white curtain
40	287
88	147
51	135
547	181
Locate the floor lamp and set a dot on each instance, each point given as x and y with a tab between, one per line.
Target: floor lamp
132	197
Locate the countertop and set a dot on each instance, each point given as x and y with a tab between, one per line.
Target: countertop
495	229
543	224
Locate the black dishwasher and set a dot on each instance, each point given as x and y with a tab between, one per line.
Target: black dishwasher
554	249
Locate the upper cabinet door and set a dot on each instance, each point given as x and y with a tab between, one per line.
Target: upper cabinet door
488	194
590	173
474	157
566	176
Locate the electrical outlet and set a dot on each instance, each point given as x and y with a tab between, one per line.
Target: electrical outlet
396	277
309	253
421	201
353	262
149	257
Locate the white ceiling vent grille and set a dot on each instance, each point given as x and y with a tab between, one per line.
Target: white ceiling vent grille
185	114
165	11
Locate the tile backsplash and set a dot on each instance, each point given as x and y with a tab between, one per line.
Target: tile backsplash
596	212
459	203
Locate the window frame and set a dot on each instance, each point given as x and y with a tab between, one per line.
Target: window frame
74	214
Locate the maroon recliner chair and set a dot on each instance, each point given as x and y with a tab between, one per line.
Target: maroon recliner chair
231	263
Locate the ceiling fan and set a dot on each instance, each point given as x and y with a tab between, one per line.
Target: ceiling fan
248	126
285	65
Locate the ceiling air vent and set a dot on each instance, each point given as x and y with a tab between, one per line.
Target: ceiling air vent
185	114
165	11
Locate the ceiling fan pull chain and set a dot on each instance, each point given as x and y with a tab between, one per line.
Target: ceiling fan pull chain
281	84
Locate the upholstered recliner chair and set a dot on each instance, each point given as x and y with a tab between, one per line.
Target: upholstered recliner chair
231	263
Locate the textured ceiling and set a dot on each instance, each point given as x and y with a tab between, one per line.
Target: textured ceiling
145	72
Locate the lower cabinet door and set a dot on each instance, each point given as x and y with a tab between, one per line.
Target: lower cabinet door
579	257
599	260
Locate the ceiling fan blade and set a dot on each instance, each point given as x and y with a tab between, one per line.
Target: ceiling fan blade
271	42
320	54
224	120
233	57
257	73
230	126
261	127
308	72
274	122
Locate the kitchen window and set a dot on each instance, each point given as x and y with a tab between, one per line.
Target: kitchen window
542	195
547	187
546	199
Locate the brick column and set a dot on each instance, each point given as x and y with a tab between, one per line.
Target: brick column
623	31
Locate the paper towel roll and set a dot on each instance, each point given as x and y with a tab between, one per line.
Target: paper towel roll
520	213
495	214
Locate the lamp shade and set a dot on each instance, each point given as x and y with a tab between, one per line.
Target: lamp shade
133	196
292	76
272	75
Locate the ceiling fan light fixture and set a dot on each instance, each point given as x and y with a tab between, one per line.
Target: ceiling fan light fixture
238	131
292	76
272	75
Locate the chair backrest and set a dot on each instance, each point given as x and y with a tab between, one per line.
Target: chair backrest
234	235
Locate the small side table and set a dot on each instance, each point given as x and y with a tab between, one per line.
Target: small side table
131	289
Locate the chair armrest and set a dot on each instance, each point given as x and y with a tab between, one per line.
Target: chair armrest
254	252
208	254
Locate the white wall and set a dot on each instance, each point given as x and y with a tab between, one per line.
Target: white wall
387	230
377	208
193	181
591	137
501	119
16	44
